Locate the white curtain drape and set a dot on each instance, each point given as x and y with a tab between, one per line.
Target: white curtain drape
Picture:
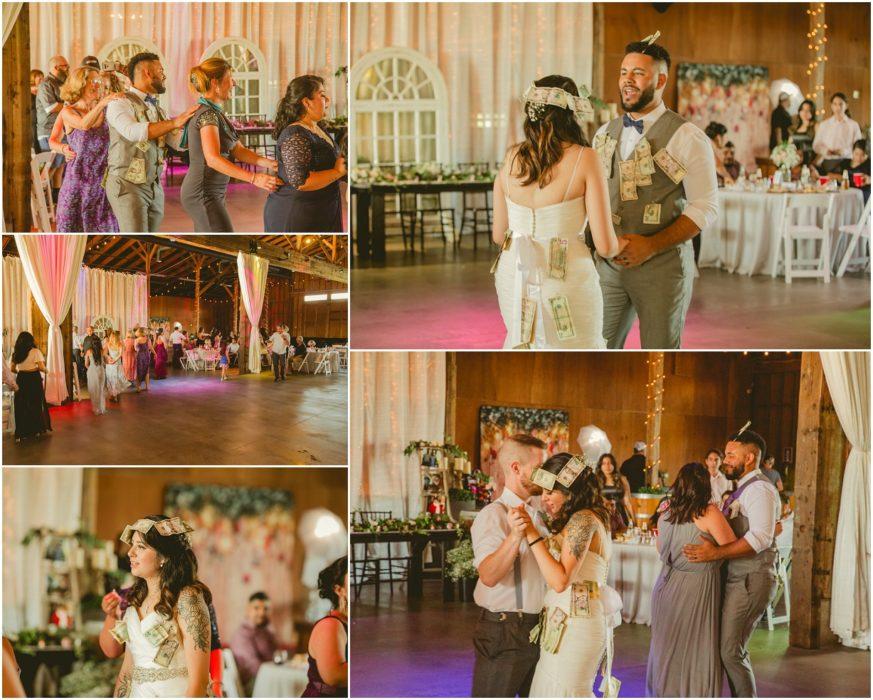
295	38
10	17
400	397
51	264
848	378
252	284
16	303
45	497
116	295
488	53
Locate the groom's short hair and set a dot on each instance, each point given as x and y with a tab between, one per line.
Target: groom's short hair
142	57
750	438
526	440
656	51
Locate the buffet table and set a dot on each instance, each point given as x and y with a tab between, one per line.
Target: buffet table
633	570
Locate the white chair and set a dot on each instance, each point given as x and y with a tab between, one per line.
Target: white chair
230	682
322	360
859	240
210	360
41	205
783	590
194	362
798	263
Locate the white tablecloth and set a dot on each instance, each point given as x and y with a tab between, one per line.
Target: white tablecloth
746	236
633	570
284	681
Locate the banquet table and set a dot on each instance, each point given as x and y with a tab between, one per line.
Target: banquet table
746	238
633	570
370	208
314	357
286	680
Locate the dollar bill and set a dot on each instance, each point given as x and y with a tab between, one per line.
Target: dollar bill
166	652
605	145
119	633
616	220
507	242
558	258
643	156
627	169
580	600
628	191
572	469
587	112
528	320
557	617
640	178
652	213
136	171
671	167
157	634
563	320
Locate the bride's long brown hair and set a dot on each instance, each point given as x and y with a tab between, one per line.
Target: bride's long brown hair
545	138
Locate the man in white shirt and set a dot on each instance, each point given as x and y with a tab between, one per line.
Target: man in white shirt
177	339
752	511
278	346
511	587
835	137
138	134
663	191
717	480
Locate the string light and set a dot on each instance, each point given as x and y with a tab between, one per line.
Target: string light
818	39
654	410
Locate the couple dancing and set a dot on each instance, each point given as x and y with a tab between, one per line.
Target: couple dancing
547	614
646	188
704	613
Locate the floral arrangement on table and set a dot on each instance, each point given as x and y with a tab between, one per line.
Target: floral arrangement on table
459	562
450	448
653	490
422	172
423	523
785	155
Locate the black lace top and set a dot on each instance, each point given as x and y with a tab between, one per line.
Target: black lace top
302	152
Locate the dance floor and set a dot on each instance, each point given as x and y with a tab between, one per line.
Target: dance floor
191	419
427	652
446	299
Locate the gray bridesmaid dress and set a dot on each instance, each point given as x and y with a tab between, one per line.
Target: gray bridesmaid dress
684	657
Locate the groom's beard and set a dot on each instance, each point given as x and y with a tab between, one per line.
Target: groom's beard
645	98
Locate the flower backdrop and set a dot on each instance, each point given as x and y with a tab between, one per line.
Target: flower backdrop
734	95
496	423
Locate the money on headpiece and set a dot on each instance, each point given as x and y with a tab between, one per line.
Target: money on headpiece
165	528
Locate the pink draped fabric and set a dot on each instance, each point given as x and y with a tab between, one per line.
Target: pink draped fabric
51	265
252	272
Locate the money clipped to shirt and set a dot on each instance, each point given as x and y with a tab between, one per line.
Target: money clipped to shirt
627	181
558	258
119	632
672	168
563	320
652	213
136	171
157	634
166	652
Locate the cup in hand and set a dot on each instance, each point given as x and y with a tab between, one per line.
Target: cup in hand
858	179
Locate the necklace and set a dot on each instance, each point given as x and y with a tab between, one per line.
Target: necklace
316	130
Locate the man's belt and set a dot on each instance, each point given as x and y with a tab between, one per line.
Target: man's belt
508	615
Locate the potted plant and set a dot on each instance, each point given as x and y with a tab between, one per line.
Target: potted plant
461	499
461	568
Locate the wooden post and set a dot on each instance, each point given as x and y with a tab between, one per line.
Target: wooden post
821	447
198	266
16	125
452	397
148	254
67	340
654	409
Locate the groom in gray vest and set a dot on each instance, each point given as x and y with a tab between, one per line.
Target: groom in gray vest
752	511
139	132
662	191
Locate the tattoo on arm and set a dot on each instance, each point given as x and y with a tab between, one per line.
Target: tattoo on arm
122	685
580	530
194	613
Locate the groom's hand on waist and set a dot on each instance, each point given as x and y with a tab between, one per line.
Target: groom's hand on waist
636	251
705	551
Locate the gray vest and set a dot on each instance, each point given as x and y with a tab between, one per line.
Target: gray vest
763	561
122	152
628	216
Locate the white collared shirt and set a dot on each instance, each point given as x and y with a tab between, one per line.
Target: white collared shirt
761	506
720	485
490	529
176	337
122	118
834	134
691	147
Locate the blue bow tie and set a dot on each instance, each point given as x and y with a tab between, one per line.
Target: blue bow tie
628	122
152	100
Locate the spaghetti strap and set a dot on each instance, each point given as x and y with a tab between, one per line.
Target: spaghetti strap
506	178
573	174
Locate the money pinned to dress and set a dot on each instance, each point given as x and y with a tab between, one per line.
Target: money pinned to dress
507	242
563	320
672	168
119	633
580	600
652	213
166	652
157	634
528	320
558	258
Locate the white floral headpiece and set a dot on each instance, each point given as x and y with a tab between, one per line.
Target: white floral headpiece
535	98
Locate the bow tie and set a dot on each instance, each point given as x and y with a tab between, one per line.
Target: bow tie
628	122
153	101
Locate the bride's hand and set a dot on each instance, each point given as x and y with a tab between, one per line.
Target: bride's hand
110	604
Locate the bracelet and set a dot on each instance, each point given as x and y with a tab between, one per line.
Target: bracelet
538	539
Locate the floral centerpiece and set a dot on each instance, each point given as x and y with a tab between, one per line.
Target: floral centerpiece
459	562
423	523
785	155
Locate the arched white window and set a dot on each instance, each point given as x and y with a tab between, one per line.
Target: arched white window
399	109
121	50
249	72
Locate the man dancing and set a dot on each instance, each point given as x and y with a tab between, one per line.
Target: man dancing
662	191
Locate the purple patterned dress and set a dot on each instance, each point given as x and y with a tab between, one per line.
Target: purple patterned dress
82	203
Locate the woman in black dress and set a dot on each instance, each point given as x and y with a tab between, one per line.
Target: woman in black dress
212	142
31	410
803	131
328	663
310	164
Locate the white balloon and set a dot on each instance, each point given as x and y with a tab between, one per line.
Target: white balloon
324	538
593	442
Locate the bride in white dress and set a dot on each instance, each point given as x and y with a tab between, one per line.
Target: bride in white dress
166	630
547	285
579	610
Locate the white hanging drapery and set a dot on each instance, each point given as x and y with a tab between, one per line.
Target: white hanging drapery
45	497
51	264
252	284
401	397
848	378
119	296
16	303
11	11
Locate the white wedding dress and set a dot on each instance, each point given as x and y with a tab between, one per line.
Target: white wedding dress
151	680
523	269
571	671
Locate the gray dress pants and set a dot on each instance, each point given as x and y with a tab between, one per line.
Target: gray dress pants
138	208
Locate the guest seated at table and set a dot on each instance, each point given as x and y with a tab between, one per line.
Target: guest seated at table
835	137
803	131
299	347
730	161
780	121
860	165
328	643
31	410
716	133
311	345
254	643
